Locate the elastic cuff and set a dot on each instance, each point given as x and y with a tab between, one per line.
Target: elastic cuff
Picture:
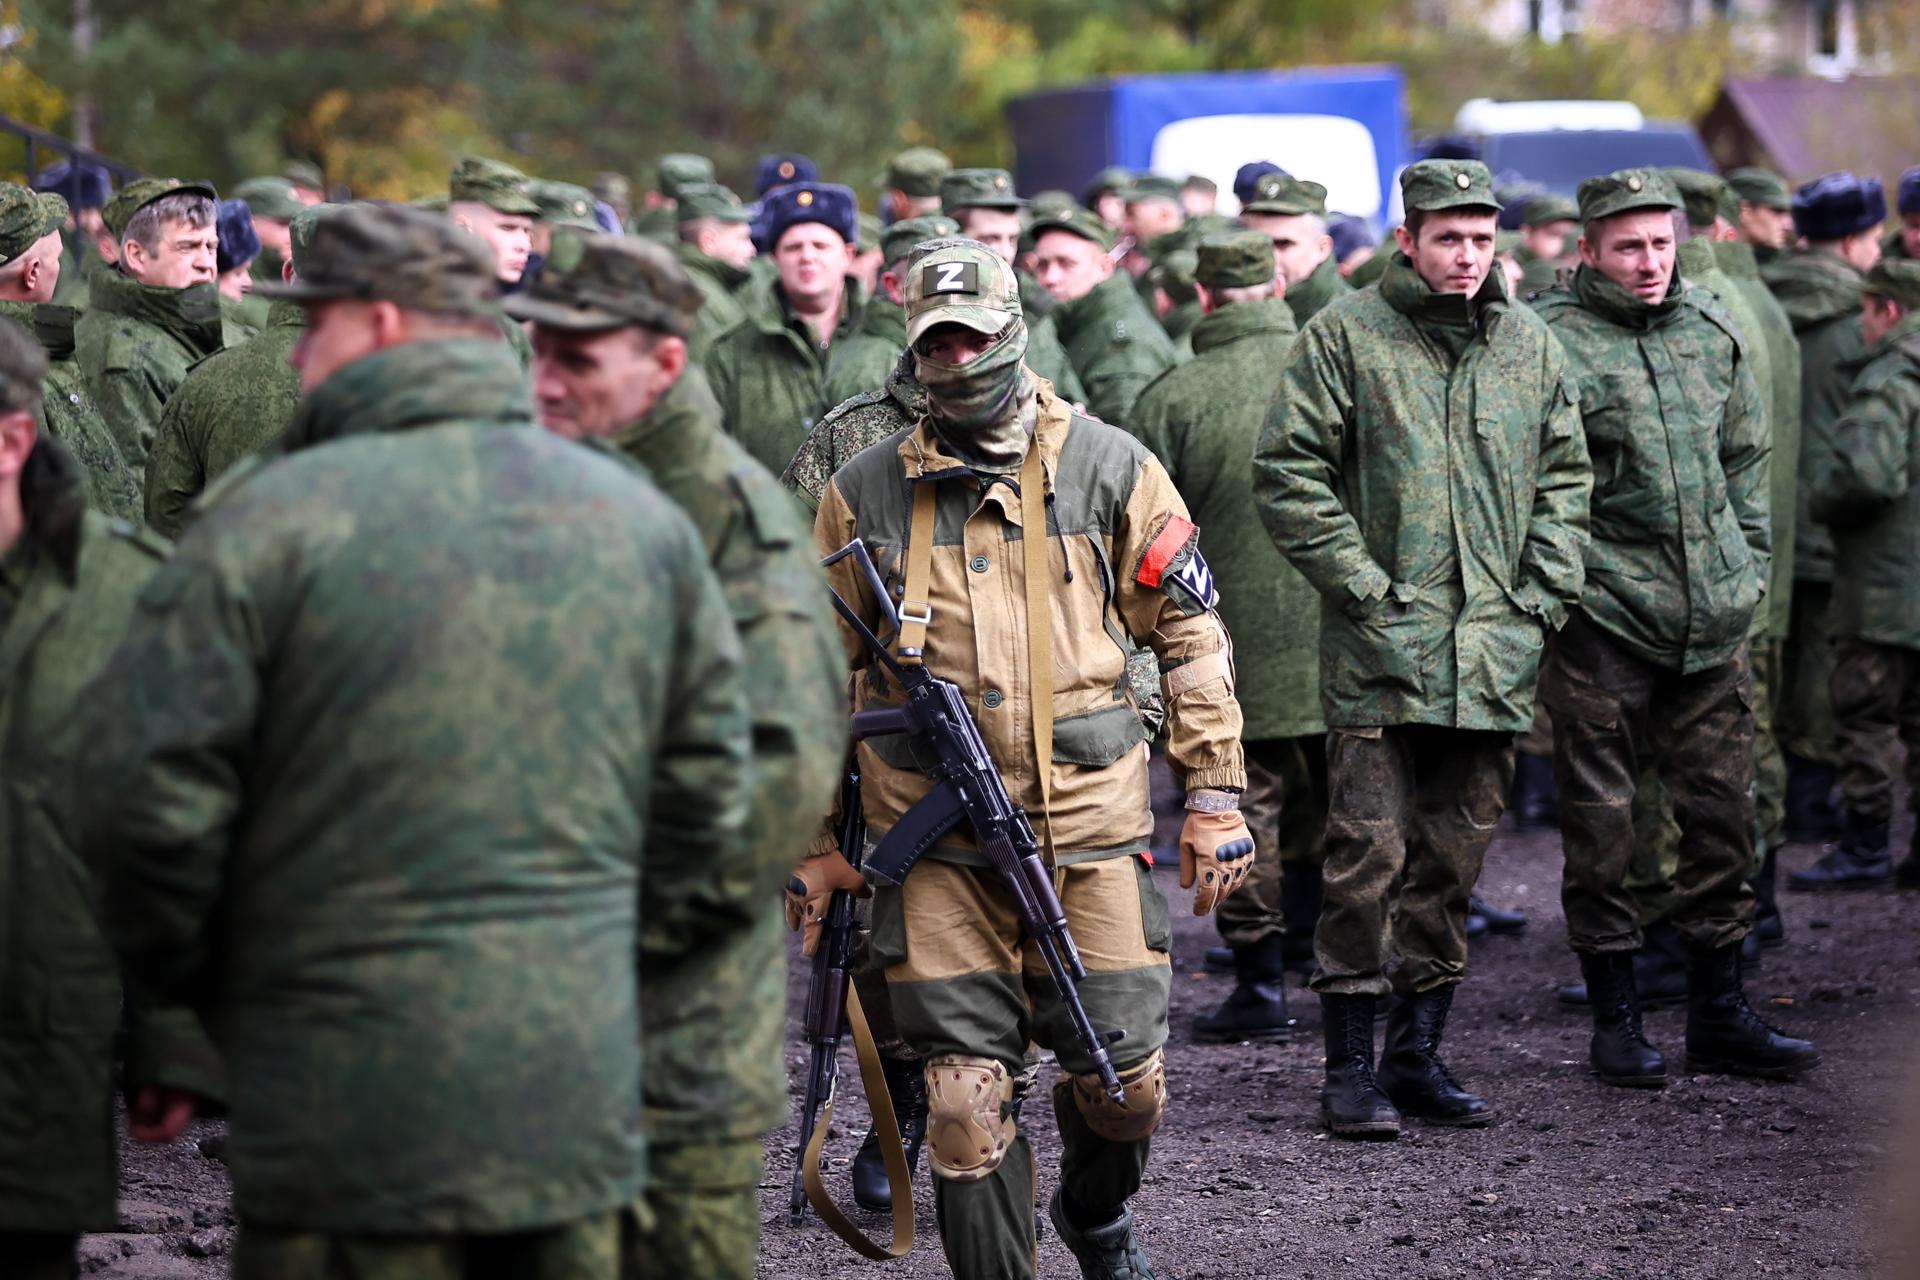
822	845
1221	779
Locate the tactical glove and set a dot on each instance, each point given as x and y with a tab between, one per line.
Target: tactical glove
1216	849
812	886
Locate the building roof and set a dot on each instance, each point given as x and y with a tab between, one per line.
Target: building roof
1803	127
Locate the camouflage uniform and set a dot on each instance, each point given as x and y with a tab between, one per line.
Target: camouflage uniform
719	281
769	373
861	361
71	417
1112	341
1310	296
271	199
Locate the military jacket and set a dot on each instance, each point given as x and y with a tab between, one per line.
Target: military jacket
1423	467
1537	274
1048	359
861	361
1114	344
236	322
135	344
1202	421
70	416
1035	301
1178	325
1867	491
1322	285
1782	392
720	283
1678	435
233	404
414	703
769	374
851	426
71	289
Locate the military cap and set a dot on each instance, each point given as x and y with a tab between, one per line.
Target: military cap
1172	274
1280	193
1235	261
1699	194
304	173
269	198
1170	242
1202	226
1761	187
680	169
867	231
1246	179
710	200
1625	190
81	184
779	170
564	205
1729	204
500	187
435	203
137	195
23	364
1907	195
1076	221
238	243
613	188
978	189
826	203
917	172
300	231
1838	205
1544	209
1348	234
27	218
1895	278
391	253
1048	203
1112	178
899	239
1514	198
594	282
1432	186
1150	186
1200	182
959	282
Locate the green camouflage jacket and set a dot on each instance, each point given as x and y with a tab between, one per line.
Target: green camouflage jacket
412	702
861	361
135	345
1678	435
1322	286
237	322
769	374
1821	294
1867	490
233	404
716	1019
1202	421
1423	467
1178	325
1114	344
1035	301
851	426
1782	392
1048	359
75	252
1537	274
721	284
70	416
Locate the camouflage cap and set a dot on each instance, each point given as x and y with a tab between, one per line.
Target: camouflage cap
1173	275
1699	193
1282	193
613	188
978	189
1048	203
710	200
500	187
137	195
917	172
304	173
1236	261
1205	226
27	218
1541	210
392	253
1729	204
868	229
1112	178
593	281
1435	185
1150	186
680	169
960	282
1761	187
1625	190
300	230
1897	279
1505	242
900	238
270	198
1076	221
435	203
564	205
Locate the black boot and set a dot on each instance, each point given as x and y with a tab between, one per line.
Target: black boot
1534	800
1620	1053
1107	1252
1257	1008
1217	960
1812	816
1860	860
1351	1101
1908	876
1477	925
1411	1071
1303	892
1659	971
1499	919
1724	1034
907	1087
1768	927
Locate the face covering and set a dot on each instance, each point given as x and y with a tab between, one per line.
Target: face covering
975	406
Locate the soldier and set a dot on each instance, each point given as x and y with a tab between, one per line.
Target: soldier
1112	341
716	247
1293	215
1654	659
659	217
85	188
1174	296
233	405
868	258
1840	217
432	894
1904	240
562	204
1547	228
272	203
1246	180
986	208
1202	421
912	184
1766	211
1423	468
308	183
769	370
611	318
613	190
30	269
1199	196
494	202
1152	210
862	360
950	936
233	256
154	311
1353	243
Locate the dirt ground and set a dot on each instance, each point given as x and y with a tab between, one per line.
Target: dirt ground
1710	1178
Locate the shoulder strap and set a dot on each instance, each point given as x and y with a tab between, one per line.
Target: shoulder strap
892	1152
1033	547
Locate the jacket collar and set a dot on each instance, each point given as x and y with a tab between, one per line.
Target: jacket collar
191	316
1242	320
674	425
416	384
925	456
1613	303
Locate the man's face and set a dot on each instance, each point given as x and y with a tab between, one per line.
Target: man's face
1353	261
998	229
1862	250
813	261
953	344
1877	317
1300	242
1149	218
1635	250
906	206
1910	234
308	195
728	242
1549	239
509	235
276	237
1768	228
1197	201
1069	266
237	283
1454	251
1111	208
182	256
866	268
595	384
337	334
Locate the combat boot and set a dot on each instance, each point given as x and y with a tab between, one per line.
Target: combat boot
907	1089
1303	892
1104	1253
1217	960
1768	927
1411	1071
1860	860
1534	800
1659	971
1620	1052
1351	1101
1908	876
1257	1007
1812	815
1499	919
1724	1034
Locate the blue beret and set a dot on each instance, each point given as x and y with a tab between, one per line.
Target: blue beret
1837	206
83	185
827	203
1348	233
1247	178
239	244
778	171
1909	199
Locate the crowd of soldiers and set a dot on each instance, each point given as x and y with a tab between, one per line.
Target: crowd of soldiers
434	805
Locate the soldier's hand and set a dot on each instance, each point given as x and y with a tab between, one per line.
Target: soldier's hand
1216	852
812	886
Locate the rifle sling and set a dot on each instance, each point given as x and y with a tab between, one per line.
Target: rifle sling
899	1177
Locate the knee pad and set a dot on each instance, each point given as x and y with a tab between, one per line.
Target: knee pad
1145	1101
968	1129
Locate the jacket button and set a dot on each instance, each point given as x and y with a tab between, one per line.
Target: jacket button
978	564
991	700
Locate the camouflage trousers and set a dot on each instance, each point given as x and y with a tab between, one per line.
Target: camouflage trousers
1285	806
1611	712
39	1255
1805	709
585	1249
964	981
1414	806
1876	702
702	1213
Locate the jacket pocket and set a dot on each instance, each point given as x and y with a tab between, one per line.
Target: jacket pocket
1097	738
888	941
1155	921
1732	540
